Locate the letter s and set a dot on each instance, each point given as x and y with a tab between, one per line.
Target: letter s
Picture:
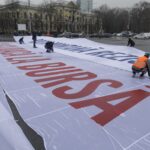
87	90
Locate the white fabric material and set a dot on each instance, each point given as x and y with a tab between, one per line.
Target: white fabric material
49	110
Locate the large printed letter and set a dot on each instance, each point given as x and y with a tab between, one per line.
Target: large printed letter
18	61
130	98
66	78
87	90
41	66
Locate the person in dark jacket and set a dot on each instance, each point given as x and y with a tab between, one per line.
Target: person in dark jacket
21	40
34	38
49	46
131	43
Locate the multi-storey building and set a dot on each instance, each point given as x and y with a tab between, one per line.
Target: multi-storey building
50	18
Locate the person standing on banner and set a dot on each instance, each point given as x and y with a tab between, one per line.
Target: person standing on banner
141	65
34	38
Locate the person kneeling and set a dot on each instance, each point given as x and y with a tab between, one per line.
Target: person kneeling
49	46
131	43
140	66
21	40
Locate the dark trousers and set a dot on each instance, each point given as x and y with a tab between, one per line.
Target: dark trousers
34	43
137	70
49	50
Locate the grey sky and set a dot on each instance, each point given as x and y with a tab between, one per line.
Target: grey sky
117	3
97	3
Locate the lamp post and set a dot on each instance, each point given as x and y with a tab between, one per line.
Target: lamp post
129	20
29	17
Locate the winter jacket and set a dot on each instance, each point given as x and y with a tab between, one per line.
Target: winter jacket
140	62
49	45
34	36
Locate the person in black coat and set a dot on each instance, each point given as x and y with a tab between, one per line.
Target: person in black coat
131	43
49	46
34	38
21	40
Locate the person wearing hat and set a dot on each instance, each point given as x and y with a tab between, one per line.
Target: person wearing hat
140	65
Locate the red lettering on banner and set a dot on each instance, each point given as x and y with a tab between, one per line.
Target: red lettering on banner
5	50
32	56
112	111
41	66
20	53
40	73
66	78
16	61
109	111
61	92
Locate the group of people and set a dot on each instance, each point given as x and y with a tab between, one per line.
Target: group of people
140	66
48	45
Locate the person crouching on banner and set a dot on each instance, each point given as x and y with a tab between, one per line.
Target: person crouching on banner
21	40
131	43
140	65
49	46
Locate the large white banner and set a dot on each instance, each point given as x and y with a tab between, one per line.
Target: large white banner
64	103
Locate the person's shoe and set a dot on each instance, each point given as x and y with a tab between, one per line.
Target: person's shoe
142	75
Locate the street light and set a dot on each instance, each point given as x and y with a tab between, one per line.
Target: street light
29	17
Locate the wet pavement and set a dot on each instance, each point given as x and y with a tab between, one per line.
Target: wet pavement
6	38
139	44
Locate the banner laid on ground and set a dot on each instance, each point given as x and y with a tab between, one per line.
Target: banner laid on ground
51	101
115	56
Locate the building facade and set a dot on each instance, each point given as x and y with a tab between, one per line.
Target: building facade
52	18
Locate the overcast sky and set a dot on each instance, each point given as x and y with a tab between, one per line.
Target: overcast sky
117	3
97	3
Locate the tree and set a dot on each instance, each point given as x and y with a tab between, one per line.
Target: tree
49	9
140	19
113	20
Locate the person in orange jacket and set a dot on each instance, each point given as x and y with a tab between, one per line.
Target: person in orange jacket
140	65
